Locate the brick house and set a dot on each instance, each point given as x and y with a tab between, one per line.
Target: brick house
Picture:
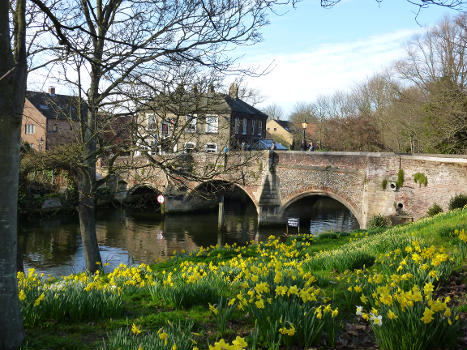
49	119
207	123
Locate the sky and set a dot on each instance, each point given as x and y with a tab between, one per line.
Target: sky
315	51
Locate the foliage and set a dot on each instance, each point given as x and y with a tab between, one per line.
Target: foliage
400	293
384	184
400	179
194	289
458	201
171	337
434	209
421	179
378	221
72	299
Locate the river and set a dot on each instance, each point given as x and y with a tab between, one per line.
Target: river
53	246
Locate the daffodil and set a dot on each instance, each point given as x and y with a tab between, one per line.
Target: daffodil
135	329
427	316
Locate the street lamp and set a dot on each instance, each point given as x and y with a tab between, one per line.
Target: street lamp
304	126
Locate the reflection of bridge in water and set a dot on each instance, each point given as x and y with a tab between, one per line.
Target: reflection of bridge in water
276	180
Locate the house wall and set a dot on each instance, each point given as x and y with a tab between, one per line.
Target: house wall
248	138
278	133
31	115
64	133
201	137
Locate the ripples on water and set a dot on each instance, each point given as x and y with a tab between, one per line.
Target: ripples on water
54	246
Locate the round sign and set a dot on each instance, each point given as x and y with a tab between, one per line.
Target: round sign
160	199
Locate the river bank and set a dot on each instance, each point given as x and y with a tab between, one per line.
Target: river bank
299	293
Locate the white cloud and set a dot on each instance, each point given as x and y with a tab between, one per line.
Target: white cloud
301	77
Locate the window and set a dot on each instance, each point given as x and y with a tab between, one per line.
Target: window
211	147
54	127
237	126
31	145
190	123
151	119
275	129
245	122
212	123
189	147
165	131
30	129
260	127
253	125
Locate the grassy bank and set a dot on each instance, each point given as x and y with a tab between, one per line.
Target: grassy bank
294	294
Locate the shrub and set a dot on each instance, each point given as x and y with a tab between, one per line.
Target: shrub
384	184
378	221
434	209
458	201
421	179
400	178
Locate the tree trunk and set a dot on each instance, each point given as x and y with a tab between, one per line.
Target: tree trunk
12	92
87	218
11	322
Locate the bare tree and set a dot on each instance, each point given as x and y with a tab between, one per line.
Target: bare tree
420	4
436	65
274	111
123	42
12	90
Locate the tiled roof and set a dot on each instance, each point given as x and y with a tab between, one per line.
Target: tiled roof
54	106
239	106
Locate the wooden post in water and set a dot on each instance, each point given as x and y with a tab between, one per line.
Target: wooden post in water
220	222
220	217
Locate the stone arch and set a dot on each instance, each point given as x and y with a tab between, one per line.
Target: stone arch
142	196
332	195
135	188
191	192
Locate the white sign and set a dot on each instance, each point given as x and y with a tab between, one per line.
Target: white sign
293	222
160	199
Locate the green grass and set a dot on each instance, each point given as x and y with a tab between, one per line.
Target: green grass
331	258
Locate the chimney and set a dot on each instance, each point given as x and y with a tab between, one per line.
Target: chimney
233	90
52	90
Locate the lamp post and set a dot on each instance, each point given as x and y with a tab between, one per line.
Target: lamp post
304	126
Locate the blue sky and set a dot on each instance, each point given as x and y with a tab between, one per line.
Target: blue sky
316	51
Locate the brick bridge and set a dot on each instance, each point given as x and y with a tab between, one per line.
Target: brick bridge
275	180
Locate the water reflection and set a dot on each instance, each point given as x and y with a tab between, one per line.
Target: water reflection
320	214
54	246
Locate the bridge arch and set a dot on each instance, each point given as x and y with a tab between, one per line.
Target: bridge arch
219	184
142	195
313	193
